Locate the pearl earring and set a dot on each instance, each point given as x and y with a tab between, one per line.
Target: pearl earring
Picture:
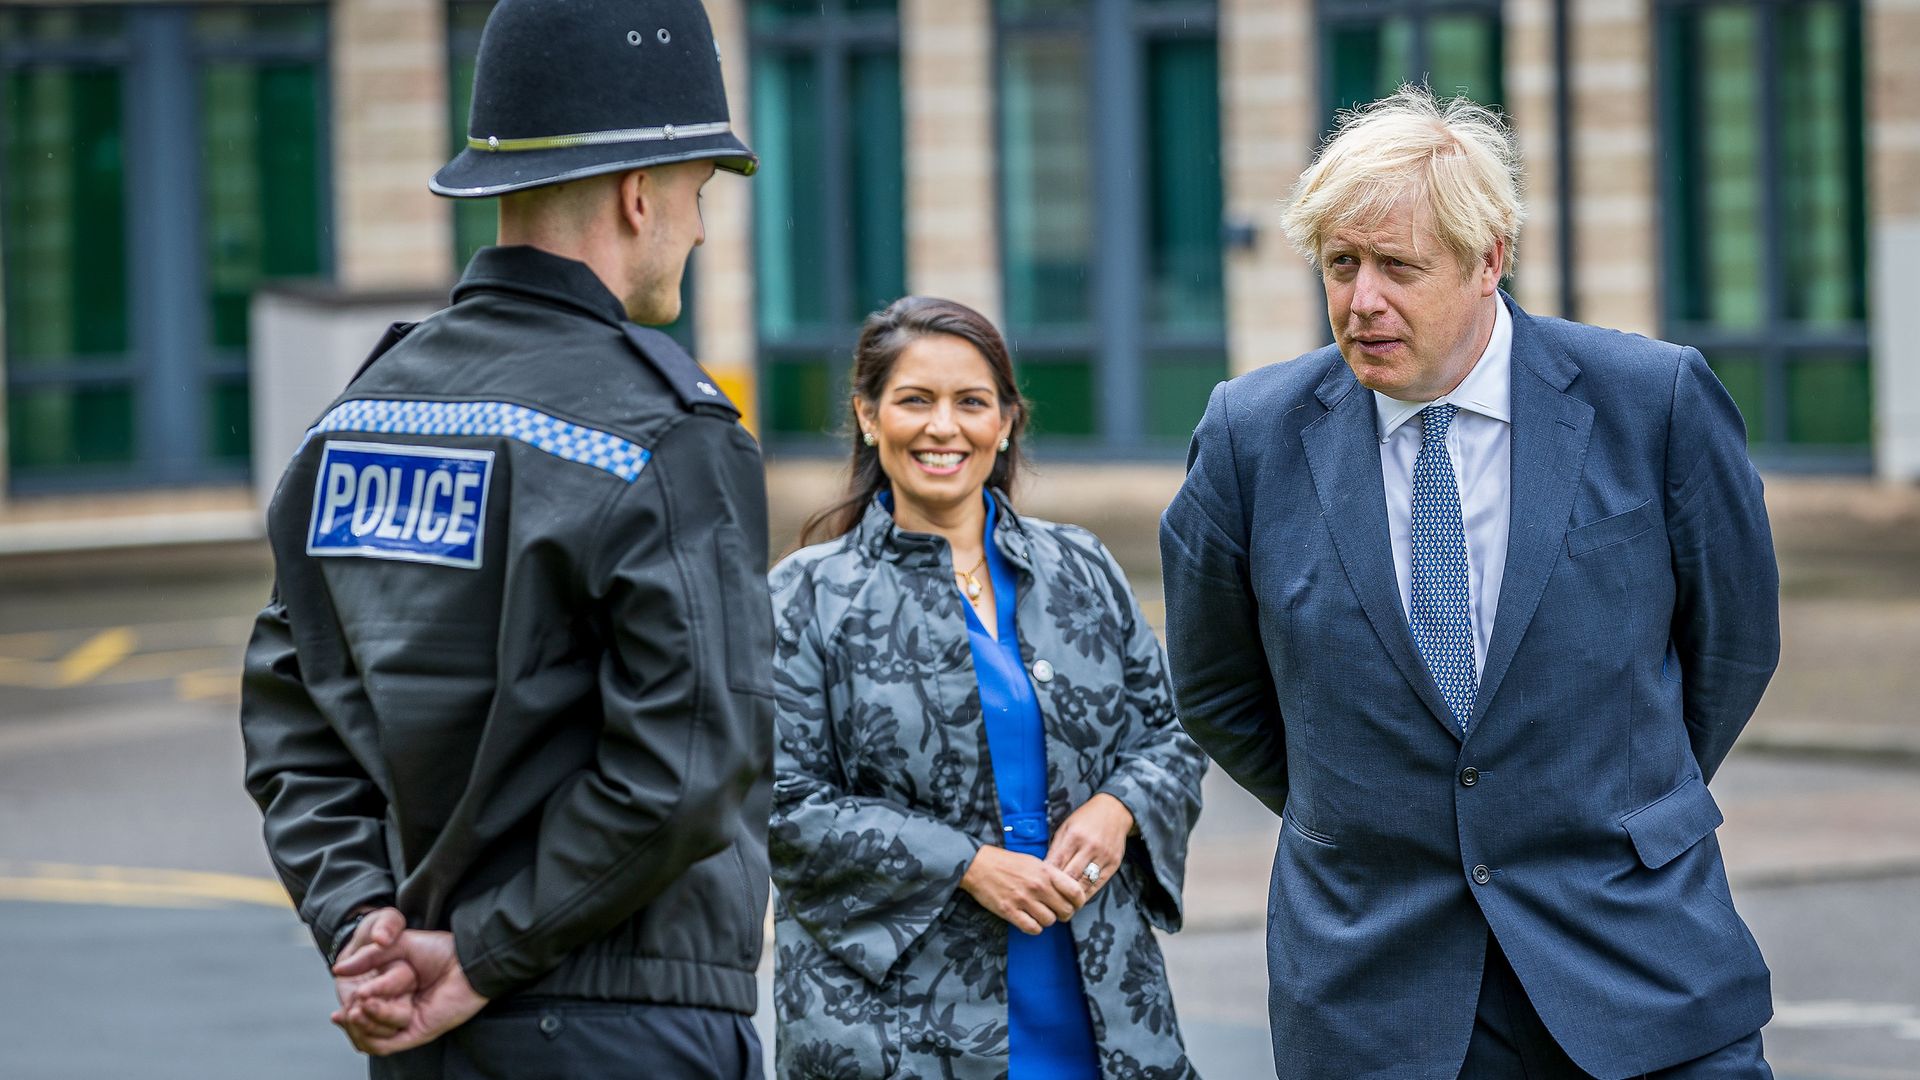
867	437
1004	443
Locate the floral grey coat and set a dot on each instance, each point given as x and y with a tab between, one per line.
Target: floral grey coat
883	791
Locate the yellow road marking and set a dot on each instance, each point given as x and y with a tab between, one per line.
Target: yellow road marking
96	654
93	657
149	666
208	685
109	658
41	644
131	887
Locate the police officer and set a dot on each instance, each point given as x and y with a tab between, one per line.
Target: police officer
508	714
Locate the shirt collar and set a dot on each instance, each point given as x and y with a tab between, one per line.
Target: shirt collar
530	271
1487	389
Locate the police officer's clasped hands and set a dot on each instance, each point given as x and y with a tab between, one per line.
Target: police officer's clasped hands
400	988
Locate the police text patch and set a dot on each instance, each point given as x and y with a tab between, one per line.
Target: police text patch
423	504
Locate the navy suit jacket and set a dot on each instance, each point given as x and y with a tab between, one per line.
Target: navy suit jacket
1638	624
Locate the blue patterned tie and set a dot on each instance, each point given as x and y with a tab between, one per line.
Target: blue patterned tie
1442	625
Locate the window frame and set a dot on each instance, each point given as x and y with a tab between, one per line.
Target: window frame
171	365
1329	14
1776	342
1119	343
830	39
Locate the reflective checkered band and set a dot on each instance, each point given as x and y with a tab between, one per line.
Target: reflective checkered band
1441	621
500	419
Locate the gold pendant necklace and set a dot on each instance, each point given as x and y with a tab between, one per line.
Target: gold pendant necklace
970	584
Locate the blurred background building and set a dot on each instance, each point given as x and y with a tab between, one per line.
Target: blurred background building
208	209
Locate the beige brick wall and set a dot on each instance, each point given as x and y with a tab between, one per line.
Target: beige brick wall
1893	177
723	283
1530	80
1892	34
389	127
1616	241
947	80
1269	122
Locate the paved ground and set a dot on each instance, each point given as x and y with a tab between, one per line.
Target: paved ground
139	936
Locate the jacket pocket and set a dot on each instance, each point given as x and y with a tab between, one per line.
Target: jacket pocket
748	611
1610	530
1665	828
1288	820
752	869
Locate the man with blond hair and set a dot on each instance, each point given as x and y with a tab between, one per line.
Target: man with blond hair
1477	602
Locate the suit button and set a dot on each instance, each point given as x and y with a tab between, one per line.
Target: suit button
1469	776
1481	875
550	1025
1042	671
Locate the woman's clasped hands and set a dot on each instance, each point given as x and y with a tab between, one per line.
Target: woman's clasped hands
1032	893
1027	892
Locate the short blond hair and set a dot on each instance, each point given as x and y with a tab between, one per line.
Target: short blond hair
1461	157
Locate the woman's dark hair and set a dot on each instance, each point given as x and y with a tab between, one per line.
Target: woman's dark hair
884	336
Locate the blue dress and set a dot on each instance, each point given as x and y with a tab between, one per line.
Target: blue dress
1051	1036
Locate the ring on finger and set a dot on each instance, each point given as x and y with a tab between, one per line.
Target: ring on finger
1091	873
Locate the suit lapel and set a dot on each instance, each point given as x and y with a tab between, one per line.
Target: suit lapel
1550	431
1343	453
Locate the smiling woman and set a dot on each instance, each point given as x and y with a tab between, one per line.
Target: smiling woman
940	373
943	843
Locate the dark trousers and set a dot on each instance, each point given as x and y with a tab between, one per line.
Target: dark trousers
1511	1043
566	1039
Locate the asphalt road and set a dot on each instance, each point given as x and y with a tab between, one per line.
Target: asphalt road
140	937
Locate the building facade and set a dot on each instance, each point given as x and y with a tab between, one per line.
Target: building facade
1102	177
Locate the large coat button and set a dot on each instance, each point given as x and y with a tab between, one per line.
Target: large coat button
1042	671
1469	776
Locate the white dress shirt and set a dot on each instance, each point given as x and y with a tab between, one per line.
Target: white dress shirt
1480	442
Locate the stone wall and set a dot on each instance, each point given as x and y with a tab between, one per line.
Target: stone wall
389	127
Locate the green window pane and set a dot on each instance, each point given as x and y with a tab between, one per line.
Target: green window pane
65	226
798	398
1463	57
879	184
1061	394
1822	166
1185	289
1015	9
1746	381
1830	402
1366	61
789	195
251	26
1046	172
771	14
765	14
1716	142
261	155
1177	391
61	24
229	422
53	428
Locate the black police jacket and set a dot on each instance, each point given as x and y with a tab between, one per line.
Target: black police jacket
516	675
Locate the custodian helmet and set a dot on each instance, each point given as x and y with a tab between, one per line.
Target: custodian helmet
564	89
